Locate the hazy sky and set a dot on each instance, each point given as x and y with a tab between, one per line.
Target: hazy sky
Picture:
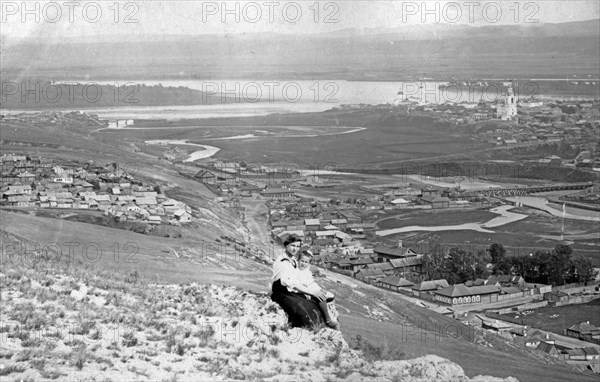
100	18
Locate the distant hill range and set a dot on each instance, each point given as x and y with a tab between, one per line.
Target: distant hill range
34	93
411	52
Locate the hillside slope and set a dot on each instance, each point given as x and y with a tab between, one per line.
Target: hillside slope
454	51
73	320
74	142
80	325
161	259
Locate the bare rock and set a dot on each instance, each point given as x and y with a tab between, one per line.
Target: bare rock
487	378
428	368
423	369
79	294
332	338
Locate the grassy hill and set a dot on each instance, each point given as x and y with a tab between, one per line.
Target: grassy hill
70	319
191	258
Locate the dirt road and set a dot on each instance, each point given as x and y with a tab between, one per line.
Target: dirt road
255	220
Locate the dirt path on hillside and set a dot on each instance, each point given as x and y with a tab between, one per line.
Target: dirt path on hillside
255	220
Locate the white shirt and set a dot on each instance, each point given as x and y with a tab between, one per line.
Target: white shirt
284	269
306	279
296	280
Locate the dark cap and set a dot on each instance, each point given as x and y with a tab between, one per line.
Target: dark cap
291	239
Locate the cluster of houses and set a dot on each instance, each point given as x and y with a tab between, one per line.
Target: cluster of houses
385	266
511	108
223	181
334	232
401	196
575	123
257	180
546	342
400	275
280	190
38	183
526	123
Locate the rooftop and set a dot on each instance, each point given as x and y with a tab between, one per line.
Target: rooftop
431	285
584	327
396	281
461	290
407	261
393	251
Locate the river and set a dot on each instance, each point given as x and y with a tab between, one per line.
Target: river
262	97
505	217
206	152
243	98
336	92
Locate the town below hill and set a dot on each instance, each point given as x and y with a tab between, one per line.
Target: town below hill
247	208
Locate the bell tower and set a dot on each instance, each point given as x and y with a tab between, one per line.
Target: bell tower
510	102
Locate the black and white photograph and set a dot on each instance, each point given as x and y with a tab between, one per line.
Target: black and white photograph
302	190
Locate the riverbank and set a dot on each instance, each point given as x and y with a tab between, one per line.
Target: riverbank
544	205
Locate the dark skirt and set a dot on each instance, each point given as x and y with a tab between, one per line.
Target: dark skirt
302	313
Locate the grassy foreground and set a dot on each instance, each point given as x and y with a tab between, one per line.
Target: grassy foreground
70	321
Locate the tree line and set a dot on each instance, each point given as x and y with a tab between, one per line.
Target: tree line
555	267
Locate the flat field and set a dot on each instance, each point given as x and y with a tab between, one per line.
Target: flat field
313	139
435	218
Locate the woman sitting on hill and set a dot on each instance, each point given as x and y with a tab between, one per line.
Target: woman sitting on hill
288	292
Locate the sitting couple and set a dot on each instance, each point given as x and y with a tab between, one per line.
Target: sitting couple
295	290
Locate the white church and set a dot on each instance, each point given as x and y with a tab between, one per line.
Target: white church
507	110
